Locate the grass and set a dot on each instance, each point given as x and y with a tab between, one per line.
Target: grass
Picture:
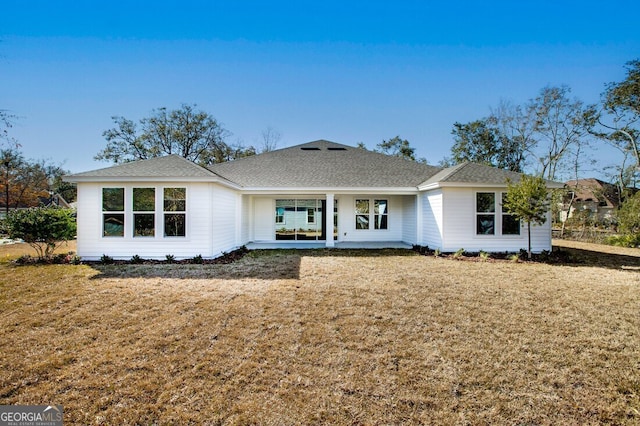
318	337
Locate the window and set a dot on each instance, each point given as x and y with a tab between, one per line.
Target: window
311	216
510	224
175	206
113	212
280	215
299	220
362	214
485	213
144	206
380	213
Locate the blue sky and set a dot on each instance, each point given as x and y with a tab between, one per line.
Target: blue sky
359	71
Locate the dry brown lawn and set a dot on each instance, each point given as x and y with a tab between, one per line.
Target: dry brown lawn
325	338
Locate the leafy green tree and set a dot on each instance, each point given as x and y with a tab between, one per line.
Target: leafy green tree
618	119
481	141
398	147
192	134
43	228
528	200
629	216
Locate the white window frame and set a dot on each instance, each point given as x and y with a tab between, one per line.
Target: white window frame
176	212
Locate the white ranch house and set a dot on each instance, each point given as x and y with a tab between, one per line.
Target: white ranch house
319	194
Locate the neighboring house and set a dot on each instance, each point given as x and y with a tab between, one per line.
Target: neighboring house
51	200
599	198
316	194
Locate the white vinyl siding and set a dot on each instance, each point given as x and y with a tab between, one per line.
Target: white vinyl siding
409	219
92	245
223	204
432	219
246	219
459	209
264	219
347	221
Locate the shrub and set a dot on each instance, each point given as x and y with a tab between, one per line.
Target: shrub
25	259
75	259
135	259
629	216
106	260
198	260
170	258
458	253
42	228
484	255
624	240
437	252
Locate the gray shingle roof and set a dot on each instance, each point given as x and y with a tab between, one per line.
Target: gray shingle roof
318	164
173	166
477	174
324	164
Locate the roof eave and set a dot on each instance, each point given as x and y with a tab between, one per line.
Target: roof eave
105	179
436	185
330	190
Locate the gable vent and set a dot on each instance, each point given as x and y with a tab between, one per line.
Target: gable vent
336	148
310	148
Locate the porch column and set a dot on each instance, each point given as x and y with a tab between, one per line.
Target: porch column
419	219
328	221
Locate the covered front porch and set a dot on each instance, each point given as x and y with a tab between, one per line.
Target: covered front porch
317	220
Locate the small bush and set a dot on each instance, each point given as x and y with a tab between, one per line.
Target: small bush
75	259
170	258
627	240
197	260
515	258
41	227
25	259
458	253
106	260
135	259
484	255
60	258
437	252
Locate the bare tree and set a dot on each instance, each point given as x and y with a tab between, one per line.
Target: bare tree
559	125
270	139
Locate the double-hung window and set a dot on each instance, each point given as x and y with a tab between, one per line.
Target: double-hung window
362	214
175	206
510	224
490	220
144	207
380	214
485	213
113	212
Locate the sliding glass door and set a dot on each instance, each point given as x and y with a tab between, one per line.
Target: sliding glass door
301	220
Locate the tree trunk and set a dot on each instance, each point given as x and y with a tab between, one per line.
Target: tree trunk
529	237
